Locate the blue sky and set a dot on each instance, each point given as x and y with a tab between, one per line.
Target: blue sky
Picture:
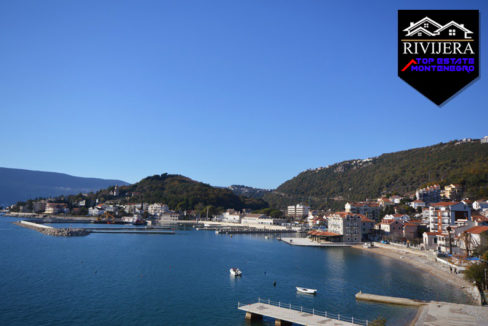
226	92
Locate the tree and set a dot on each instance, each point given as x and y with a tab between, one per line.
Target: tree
476	273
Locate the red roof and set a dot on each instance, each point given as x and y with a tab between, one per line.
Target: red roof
324	233
479	218
445	203
433	233
477	229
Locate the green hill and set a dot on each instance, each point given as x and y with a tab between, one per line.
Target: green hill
399	172
181	193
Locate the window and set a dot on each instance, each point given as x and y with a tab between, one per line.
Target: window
426	25
452	32
419	34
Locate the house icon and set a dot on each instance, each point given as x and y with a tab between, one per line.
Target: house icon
427	27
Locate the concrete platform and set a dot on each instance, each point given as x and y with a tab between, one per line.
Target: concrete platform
286	316
451	314
306	242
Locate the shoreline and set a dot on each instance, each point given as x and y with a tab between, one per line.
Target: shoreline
424	263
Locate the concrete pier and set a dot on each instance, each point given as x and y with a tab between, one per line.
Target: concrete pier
288	314
389	300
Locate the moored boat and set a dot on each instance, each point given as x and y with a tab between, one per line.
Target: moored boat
235	271
306	290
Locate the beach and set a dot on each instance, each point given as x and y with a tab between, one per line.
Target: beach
426	262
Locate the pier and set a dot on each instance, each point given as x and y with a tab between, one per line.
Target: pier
389	300
288	314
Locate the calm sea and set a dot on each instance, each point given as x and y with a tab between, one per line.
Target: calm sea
183	279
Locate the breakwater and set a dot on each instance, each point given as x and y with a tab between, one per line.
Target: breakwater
48	230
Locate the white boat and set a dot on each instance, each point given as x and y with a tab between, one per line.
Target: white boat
368	245
307	291
235	271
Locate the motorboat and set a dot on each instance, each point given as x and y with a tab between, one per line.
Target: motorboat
306	291
235	271
368	245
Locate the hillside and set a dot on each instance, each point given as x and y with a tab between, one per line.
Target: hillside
399	172
17	184
248	191
182	193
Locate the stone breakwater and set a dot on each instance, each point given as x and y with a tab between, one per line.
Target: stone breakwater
48	230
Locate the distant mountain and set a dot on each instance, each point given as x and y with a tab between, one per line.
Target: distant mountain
248	191
463	162
17	185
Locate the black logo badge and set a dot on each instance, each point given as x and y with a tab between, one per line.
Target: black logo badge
438	50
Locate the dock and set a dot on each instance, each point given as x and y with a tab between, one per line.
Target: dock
288	314
389	300
306	242
141	231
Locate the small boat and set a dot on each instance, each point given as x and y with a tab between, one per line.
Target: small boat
306	291
368	245
235	271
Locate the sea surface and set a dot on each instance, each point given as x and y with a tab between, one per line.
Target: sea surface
183	279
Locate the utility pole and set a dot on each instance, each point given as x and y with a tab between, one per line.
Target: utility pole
450	243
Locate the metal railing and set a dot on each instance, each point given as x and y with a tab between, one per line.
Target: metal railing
311	311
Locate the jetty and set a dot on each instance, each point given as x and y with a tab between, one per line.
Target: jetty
389	300
71	232
288	314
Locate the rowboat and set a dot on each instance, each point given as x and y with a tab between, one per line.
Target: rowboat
306	291
235	271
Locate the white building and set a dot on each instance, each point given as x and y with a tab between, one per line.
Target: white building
231	216
397	217
431	194
157	209
346	224
480	204
417	203
368	209
298	210
448	213
484	140
169	216
252	218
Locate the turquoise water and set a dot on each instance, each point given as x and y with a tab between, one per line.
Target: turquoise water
183	279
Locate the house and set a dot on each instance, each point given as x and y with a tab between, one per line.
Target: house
346	224
97	210
170	216
429	240
430	194
484	140
480	204
383	202
39	206
231	216
392	228
367	226
252	218
157	209
453	30
398	217
479	220
396	199
475	237
452	192
56	208
417	203
368	209
424	27
445	214
410	230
